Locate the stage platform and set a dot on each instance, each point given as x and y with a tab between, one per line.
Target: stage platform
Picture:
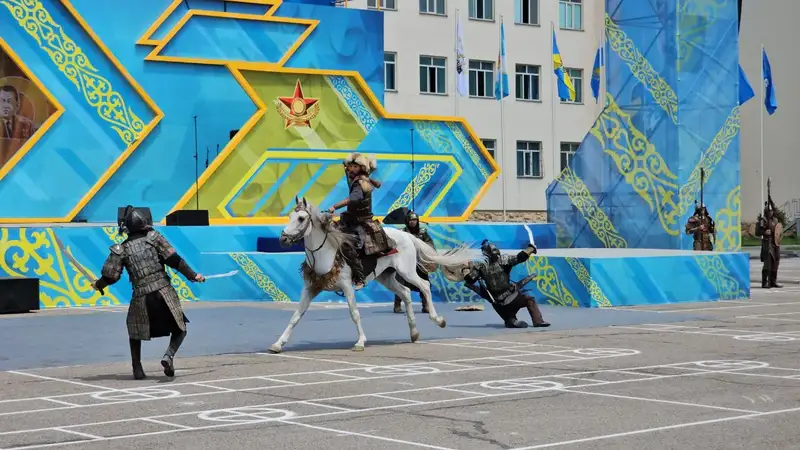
586	278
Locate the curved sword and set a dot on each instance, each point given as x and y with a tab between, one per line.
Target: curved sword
530	234
74	261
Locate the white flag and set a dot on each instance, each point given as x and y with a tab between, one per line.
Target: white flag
462	74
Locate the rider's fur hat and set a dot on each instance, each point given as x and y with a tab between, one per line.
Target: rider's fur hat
367	163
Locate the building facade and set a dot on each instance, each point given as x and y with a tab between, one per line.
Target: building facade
539	132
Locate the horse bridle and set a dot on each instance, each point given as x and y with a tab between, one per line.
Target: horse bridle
301	235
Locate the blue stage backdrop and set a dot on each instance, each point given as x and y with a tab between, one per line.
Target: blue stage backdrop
671	109
122	93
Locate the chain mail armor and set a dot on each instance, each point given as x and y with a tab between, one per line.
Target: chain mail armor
359	208
143	256
496	275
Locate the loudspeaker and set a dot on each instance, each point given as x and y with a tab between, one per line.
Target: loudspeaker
143	209
18	295
188	217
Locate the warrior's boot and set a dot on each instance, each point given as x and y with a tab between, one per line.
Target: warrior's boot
773	280
397	308
765	284
356	268
536	314
136	359
175	341
514	323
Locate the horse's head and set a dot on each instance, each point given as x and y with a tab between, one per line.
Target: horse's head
300	223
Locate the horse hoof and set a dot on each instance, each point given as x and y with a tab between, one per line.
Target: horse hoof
415	336
275	348
442	323
358	348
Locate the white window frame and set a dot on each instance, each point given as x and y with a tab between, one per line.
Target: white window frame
387	65
532	150
569	7
482	72
439	71
385	5
567	153
576	75
472	8
431	7
528	79
533	9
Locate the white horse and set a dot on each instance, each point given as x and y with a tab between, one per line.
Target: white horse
325	269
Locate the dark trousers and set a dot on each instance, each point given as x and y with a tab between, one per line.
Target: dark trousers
769	272
509	311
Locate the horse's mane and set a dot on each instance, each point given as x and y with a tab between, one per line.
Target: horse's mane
336	236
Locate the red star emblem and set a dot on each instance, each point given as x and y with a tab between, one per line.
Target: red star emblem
298	106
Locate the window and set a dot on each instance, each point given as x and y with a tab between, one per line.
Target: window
528	82
384	4
390	71
491	146
431	7
576	75
432	77
570	14
568	150
481	9
526	12
481	79
529	159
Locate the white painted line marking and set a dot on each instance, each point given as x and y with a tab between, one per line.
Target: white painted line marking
219	388
78	433
514	342
60	402
655	429
655	400
167	424
77	383
370	436
288	383
389	397
352	377
328	406
462	391
306	358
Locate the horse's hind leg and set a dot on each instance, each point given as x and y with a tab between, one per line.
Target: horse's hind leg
388	280
305	301
425	291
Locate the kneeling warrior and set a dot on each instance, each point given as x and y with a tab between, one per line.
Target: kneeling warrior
504	296
155	309
412	227
358	218
702	227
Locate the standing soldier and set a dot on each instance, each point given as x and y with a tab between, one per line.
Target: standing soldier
770	230
701	225
155	309
412	227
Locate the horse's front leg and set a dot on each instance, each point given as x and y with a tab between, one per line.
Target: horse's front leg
305	301
349	293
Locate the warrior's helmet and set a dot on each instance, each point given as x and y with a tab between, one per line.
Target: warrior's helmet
133	221
412	216
367	164
490	251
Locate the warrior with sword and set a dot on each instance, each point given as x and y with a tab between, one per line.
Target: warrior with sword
155	309
770	230
493	277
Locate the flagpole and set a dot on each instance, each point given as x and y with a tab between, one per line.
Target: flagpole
455	51
553	108
503	154
763	105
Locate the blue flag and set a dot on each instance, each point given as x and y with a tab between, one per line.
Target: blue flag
566	90
598	63
745	89
501	70
769	89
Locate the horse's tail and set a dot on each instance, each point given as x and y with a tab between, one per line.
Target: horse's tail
451	259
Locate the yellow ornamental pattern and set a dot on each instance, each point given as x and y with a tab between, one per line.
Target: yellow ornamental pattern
640	163
729	223
711	157
597	219
467	146
70	59
262	280
591	286
423	177
624	47
548	283
720	277
27	253
185	293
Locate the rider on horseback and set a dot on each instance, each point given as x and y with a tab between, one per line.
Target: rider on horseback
358	218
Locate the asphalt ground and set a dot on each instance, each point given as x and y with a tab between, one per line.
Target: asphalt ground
721	375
